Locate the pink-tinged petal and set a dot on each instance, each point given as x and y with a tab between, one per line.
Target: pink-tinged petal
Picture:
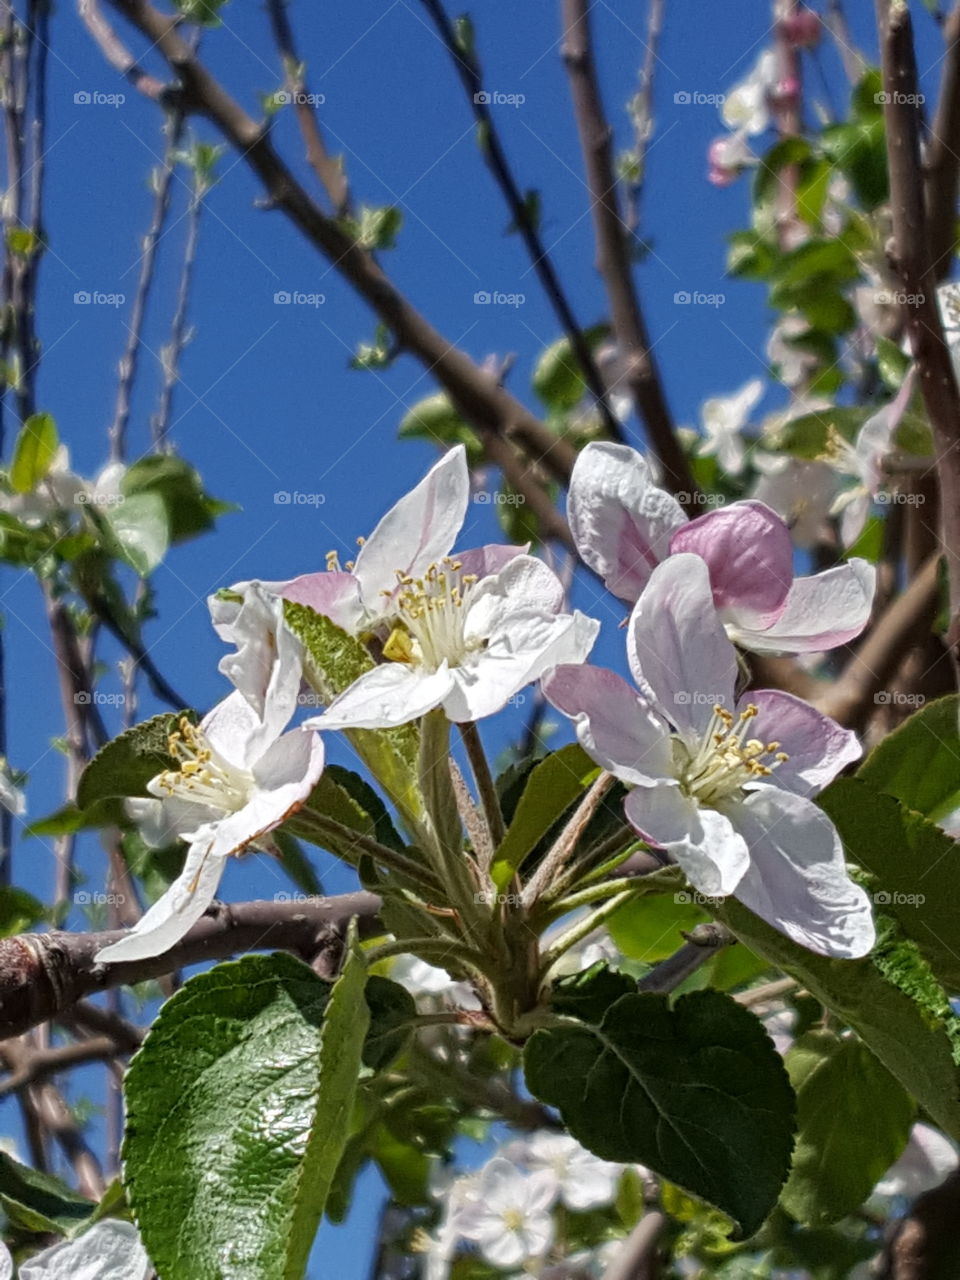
172	916
817	746
703	843
284	776
821	612
418	531
677	647
614	726
797	880
335	595
223	612
525	644
621	521
750	554
487	560
388	695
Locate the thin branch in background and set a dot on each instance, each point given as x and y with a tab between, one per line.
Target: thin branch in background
614	262
524	220
329	169
937	378
702	944
116	52
942	157
641	114
638	1252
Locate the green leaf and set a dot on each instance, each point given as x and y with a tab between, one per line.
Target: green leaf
124	766
434	419
696	1092
22	241
348	799
332	661
34	451
892	363
919	763
809	436
139	527
557	377
912	1044
238	1110
392	1010
552	785
854	1120
375	228
649	928
70	818
19	911
39	1202
859	152
915	865
205	13
189	510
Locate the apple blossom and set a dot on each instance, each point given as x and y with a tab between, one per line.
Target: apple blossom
926	1160
724	418
229	789
723	787
110	1250
584	1181
727	157
509	1218
11	795
624	525
745	107
801	492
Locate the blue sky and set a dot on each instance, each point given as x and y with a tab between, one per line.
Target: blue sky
267	402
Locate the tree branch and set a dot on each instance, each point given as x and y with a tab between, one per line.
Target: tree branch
638	1248
942	167
43	975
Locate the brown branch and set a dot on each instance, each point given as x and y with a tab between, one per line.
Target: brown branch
926	1245
641	375
327	167
938	382
44	975
942	167
702	944
41	1063
639	1248
116	52
477	396
468	69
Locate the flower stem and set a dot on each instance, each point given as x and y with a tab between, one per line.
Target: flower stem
486	790
567	841
584	927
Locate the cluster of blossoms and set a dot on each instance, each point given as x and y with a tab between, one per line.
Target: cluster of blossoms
721	786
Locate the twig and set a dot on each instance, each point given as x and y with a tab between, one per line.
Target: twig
468	69
942	159
638	1248
641	113
479	766
558	856
641	375
911	255
116	52
769	991
42	1063
43	975
702	945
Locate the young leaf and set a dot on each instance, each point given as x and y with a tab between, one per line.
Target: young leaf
696	1092
33	452
124	766
189	510
917	763
140	529
854	1120
238	1108
39	1202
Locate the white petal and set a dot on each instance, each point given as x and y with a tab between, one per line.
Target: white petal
231	727
388	695
110	1250
677	646
926	1160
621	521
418	531
266	667
703	843
821	612
527	581
171	916
525	644
613	725
6	1263
797	880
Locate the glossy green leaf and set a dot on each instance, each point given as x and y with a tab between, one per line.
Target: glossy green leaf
919	763
238	1110
189	510
854	1120
552	785
34	451
696	1092
140	528
38	1201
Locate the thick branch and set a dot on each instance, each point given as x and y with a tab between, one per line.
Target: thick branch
43	975
631	1263
911	254
641	375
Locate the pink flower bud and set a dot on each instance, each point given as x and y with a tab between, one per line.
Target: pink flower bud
802	29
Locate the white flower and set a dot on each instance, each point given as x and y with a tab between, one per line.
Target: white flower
110	1250
584	1181
802	493
785	351
422	979
509	1217
11	796
229	790
724	418
746	107
56	492
926	1160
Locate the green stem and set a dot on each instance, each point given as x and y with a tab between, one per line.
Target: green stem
583	928
440	948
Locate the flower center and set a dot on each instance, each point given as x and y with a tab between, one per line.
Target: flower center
513	1219
202	776
727	759
430	615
